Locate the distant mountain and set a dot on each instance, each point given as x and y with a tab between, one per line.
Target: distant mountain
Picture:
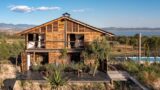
14	28
132	31
4	26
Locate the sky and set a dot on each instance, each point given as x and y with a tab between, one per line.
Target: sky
99	13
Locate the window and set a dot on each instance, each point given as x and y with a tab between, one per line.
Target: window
30	37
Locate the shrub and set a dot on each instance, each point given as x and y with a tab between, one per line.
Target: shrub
38	68
147	74
131	67
55	78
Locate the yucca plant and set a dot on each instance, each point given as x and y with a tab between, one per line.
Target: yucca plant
98	50
55	79
63	55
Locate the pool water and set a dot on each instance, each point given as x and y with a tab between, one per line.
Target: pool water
149	59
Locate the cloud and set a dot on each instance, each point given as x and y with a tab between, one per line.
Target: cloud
47	8
79	10
27	9
21	8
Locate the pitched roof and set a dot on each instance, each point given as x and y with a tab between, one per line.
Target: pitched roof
73	20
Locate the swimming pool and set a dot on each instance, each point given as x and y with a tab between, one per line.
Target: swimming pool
143	59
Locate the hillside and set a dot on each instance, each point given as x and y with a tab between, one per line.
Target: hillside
13	28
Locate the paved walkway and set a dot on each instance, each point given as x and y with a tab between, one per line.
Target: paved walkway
124	76
118	75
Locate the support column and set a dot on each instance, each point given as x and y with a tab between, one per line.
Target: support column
65	33
139	49
68	39
26	41
78	27
39	41
28	61
34	58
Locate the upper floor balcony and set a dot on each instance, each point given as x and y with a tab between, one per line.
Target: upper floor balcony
35	41
75	41
38	41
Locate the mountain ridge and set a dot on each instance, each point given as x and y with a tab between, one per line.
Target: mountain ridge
128	31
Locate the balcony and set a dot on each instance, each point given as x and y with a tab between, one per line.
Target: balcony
75	41
35	41
35	44
75	44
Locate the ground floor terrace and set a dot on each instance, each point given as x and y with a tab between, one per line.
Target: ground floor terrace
75	75
42	57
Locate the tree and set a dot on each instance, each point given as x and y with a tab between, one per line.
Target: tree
122	39
15	50
63	54
4	50
153	45
98	50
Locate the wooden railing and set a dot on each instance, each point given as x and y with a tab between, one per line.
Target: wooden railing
35	45
75	44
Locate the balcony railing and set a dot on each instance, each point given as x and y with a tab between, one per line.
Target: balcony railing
35	44
75	44
41	44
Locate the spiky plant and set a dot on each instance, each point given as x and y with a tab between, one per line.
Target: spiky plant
55	78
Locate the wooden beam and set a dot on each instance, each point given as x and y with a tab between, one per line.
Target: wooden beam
52	26
26	40
65	33
72	26
39	30
78	27
46	29
34	57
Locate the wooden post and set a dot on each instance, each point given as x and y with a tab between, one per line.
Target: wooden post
72	27
139	49
46	29
34	57
52	27
69	46
78	27
65	33
26	40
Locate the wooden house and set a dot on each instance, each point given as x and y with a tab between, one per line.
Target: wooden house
44	43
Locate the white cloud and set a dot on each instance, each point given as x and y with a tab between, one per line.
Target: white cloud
79	10
27	9
43	8
21	8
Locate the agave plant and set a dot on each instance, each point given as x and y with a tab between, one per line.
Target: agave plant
55	79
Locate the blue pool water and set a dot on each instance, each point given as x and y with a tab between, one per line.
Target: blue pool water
149	59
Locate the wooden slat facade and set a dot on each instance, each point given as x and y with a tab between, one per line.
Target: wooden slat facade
58	34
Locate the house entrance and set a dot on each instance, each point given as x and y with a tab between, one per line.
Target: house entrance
41	58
